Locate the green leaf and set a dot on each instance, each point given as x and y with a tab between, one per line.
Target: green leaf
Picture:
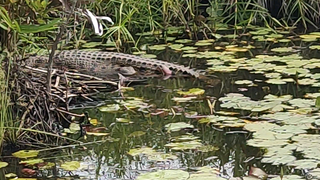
71	165
3	164
26	153
39	28
318	102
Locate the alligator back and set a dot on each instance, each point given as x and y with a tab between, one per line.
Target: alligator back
91	59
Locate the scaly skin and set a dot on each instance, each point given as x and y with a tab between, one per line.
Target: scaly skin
97	60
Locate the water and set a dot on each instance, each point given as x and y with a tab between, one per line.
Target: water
145	126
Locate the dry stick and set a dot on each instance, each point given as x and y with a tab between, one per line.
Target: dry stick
72	114
67	89
50	63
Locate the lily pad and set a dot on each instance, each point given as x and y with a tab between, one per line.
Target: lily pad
3	164
192	92
26	153
172	127
282	49
187	145
71	165
165	175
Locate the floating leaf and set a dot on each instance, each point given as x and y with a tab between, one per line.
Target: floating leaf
97	133
276	81
151	56
318	102
282	49
32	161
183	99
110	108
314	47
165	175
74	127
26	153
247	82
172	127
184	41
158	47
93	122
305	164
3	164
71	165
192	92
288	177
123	120
187	145
137	134
143	150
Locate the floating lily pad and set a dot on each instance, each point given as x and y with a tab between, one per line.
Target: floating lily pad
314	47
165	175
94	122
110	108
305	164
236	49
184	41
294	71
260	32
184	138
288	177
284	40
158	47
169	39
279	159
298	102
172	127
203	43
31	161
266	142
176	46
3	164
309	36
124	120
151	56
71	165
247	82
188	48
97	133
192	92
183	99
74	127
223	121
26	153
139	151
282	49
187	145
309	39
276	81
134	103
223	69
274	35
306	81
137	134
315	173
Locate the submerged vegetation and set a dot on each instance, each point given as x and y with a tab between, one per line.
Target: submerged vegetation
255	109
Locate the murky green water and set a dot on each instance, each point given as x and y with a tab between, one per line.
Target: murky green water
136	126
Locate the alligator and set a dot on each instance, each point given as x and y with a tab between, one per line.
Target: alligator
98	61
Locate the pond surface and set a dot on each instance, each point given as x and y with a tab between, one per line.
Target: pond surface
257	109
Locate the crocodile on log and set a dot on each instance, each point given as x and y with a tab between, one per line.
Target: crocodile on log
97	61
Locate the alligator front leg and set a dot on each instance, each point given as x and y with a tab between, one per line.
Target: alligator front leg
165	70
